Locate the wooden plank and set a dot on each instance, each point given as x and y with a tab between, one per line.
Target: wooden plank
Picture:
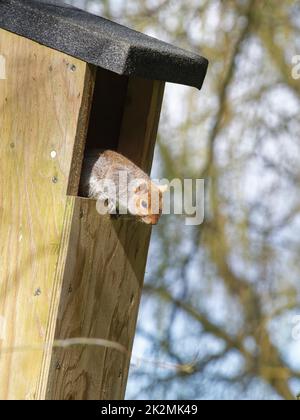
103	278
41	102
82	130
104	272
141	119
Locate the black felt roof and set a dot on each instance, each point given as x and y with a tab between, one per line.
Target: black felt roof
101	42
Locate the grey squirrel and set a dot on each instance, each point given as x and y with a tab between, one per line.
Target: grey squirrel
121	185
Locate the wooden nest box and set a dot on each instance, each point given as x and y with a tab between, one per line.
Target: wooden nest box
70	82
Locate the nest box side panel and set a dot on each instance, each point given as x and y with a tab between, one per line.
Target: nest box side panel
43	98
104	273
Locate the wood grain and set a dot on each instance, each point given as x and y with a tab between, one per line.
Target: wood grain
65	271
103	278
104	273
40	107
82	130
140	121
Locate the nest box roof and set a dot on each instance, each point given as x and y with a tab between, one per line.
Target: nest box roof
101	42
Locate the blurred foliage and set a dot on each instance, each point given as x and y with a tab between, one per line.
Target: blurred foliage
217	315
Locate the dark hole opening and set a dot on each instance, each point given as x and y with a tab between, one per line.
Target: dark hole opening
106	117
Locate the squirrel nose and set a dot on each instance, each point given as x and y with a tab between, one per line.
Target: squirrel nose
151	220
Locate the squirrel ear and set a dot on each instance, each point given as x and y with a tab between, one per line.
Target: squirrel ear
163	188
142	188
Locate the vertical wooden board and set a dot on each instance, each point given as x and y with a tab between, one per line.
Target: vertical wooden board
104	273
102	284
41	102
138	133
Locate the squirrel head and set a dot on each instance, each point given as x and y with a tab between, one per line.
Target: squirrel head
148	202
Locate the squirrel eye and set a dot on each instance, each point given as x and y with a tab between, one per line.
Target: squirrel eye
144	204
